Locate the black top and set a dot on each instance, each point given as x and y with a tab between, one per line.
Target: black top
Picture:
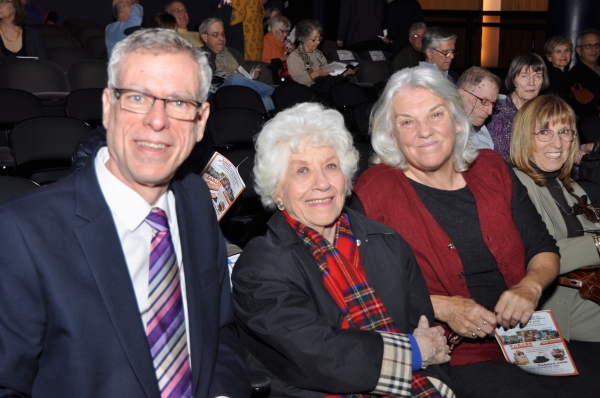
9	54
559	82
456	213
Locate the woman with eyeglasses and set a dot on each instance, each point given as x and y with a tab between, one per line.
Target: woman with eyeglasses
526	76
543	150
18	40
275	44
305	63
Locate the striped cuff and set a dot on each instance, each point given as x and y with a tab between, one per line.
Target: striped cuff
396	367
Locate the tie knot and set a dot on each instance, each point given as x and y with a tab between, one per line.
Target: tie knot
157	219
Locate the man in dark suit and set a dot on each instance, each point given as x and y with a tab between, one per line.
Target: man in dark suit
584	77
114	280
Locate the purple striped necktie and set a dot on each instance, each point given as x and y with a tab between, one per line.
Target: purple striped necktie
165	328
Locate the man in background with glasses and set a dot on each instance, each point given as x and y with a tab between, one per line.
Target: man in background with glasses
479	89
114	279
226	61
439	49
178	10
584	77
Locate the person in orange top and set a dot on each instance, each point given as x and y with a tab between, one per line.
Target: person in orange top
275	44
251	14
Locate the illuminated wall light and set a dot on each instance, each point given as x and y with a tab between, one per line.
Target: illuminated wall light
490	37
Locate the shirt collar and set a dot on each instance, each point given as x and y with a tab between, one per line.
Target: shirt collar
123	201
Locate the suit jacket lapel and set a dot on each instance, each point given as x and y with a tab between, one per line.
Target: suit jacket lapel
102	248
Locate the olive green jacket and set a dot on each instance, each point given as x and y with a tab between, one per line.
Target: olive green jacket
578	319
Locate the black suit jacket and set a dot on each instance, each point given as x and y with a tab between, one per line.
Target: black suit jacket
70	324
291	325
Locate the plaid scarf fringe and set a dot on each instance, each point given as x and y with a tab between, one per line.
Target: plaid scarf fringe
344	278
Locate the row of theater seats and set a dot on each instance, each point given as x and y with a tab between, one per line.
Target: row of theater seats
75	33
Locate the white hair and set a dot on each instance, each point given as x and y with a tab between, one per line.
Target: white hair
160	41
382	117
304	124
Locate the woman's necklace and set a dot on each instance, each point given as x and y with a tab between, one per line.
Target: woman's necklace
6	37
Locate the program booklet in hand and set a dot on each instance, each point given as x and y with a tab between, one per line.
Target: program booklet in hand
537	347
222	173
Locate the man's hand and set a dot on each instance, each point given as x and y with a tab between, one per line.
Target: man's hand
464	316
213	188
432	343
256	73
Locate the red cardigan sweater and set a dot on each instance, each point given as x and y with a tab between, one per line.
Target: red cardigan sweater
388	197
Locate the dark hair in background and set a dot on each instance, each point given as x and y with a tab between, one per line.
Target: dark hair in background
163	20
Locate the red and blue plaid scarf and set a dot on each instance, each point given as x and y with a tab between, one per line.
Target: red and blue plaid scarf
345	279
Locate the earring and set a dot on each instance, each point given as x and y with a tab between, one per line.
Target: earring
279	204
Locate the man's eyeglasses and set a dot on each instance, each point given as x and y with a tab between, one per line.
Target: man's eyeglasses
566	135
138	102
284	31
589	46
216	35
446	53
484	102
316	39
179	11
416	36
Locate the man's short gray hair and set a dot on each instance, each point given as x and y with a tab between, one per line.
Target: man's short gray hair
159	41
416	26
433	36
382	117
473	76
304	124
586	32
203	28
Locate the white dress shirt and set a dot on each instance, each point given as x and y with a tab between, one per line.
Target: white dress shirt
129	211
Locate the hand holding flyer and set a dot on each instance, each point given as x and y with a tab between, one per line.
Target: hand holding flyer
537	347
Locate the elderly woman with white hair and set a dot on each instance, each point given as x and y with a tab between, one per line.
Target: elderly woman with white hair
328	302
483	249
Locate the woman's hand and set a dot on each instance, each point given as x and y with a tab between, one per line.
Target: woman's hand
349	72
256	73
464	316
320	73
516	305
432	343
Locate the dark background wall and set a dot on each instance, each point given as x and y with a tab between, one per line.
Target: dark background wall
101	10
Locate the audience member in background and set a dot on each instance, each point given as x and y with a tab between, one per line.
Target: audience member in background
526	76
225	61
34	13
164	20
126	292
328	297
128	14
250	13
18	40
439	49
584	77
481	245
305	63
411	55
558	53
402	15
269	13
178	10
275	44
543	151
479	88
361	23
